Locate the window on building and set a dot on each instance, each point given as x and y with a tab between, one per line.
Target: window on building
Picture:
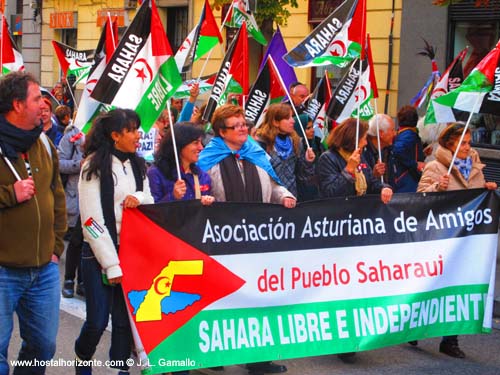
177	26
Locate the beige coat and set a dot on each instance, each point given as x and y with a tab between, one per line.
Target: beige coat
439	167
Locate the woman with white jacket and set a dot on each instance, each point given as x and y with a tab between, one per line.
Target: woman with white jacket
113	178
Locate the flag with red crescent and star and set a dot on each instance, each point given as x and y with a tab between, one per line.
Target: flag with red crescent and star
337	40
74	62
142	74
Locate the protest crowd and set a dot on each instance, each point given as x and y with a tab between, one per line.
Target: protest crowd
66	183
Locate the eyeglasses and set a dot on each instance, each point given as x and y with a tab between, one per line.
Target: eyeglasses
237	127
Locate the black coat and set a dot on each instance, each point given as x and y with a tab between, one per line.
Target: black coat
335	181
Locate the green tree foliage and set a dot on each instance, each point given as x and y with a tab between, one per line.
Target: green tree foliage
268	12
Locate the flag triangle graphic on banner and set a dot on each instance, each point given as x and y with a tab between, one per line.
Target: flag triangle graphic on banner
163	292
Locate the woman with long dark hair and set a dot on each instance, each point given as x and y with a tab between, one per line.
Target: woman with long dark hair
193	183
113	178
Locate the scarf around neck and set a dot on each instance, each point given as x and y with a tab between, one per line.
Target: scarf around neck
360	184
14	140
108	191
283	146
217	150
464	166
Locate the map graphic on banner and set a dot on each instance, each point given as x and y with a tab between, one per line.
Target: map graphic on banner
332	276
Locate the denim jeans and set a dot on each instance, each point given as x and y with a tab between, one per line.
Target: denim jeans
101	300
33	293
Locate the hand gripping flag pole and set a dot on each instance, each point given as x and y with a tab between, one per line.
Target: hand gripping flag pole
9	164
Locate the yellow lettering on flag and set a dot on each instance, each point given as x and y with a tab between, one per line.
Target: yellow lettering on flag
150	308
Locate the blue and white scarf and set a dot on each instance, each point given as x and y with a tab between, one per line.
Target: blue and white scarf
464	166
283	146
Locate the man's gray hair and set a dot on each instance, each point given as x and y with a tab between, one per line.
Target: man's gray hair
384	123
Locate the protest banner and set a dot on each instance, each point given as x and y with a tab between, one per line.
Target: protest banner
237	283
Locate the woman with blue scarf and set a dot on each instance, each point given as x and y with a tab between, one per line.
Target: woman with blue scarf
278	137
466	174
238	167
241	172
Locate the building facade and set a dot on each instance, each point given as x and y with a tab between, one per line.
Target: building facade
396	29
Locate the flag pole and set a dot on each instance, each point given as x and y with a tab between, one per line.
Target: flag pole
110	23
290	99
1	46
361	55
359	105
11	167
72	95
463	134
378	136
139	347
390	57
177	166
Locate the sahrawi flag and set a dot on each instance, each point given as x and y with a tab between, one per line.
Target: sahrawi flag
238	13
337	40
142	74
266	90
233	73
318	103
205	84
354	87
76	63
89	108
480	91
201	40
12	60
451	79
